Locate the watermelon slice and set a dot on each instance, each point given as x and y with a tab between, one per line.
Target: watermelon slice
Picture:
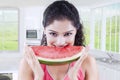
57	55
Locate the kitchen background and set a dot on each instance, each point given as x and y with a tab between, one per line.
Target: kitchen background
21	22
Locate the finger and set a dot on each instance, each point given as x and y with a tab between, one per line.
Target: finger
26	51
27	54
73	71
81	59
84	54
33	55
30	53
32	59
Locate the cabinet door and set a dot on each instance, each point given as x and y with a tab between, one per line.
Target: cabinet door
106	73
102	72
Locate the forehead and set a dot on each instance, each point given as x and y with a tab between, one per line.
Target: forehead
61	26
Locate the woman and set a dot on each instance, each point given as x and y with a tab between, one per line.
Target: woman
62	27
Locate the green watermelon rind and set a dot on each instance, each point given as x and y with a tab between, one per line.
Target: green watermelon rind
55	63
61	60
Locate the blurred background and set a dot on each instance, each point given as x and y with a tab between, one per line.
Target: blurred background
21	22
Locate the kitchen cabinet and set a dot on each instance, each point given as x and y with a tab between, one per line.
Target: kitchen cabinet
106	73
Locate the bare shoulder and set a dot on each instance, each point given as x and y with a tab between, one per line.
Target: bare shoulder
90	66
89	63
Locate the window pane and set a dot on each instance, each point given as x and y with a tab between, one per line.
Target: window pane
1	17
85	17
8	30
11	31
87	32
113	34
98	24
1	36
108	43
10	36
10	15
108	16
112	28
10	45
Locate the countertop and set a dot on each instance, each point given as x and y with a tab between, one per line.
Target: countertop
102	58
10	62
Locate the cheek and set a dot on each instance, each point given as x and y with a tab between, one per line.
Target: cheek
50	40
70	40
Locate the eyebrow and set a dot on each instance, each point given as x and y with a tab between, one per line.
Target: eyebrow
53	31
64	32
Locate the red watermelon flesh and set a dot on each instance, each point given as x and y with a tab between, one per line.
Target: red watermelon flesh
51	55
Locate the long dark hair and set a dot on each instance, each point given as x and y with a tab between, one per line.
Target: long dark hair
60	10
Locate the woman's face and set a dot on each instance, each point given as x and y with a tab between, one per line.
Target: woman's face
60	33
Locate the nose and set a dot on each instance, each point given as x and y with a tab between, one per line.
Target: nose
60	41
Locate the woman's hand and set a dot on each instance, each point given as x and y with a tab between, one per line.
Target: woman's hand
33	63
73	72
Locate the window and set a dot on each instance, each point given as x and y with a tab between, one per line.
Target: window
107	28
102	27
98	25
85	17
112	27
8	29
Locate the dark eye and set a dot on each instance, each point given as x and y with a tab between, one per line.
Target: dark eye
53	34
67	34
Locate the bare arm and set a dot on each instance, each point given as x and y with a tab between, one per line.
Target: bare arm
25	72
91	72
74	70
30	68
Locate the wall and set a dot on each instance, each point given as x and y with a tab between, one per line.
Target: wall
30	18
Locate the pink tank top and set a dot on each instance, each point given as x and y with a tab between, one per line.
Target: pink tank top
48	77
